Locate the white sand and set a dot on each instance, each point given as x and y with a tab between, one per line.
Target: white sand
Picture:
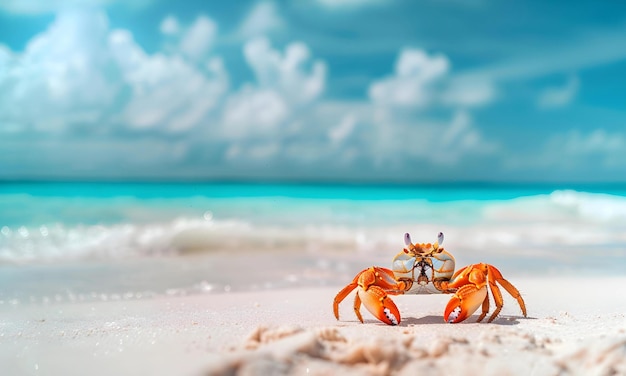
575	326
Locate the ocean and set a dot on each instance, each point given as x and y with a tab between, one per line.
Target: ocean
100	241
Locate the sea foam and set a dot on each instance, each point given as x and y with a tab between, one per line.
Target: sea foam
557	224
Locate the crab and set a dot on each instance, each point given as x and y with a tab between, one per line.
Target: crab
427	268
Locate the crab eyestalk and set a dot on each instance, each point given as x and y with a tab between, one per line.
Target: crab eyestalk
407	240
439	242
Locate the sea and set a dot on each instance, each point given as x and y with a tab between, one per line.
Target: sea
95	241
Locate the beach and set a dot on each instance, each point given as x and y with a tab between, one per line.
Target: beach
194	188
240	280
574	327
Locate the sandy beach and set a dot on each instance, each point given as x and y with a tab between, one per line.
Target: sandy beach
574	327
185	187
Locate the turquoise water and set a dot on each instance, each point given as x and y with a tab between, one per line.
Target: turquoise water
320	191
95	240
431	193
30	204
149	218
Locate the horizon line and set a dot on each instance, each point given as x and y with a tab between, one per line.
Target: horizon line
310	181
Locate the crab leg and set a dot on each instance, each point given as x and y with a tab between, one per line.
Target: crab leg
342	295
485	308
374	285
357	307
496	276
497	296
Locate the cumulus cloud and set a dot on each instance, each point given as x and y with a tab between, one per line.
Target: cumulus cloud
411	85
252	112
84	80
285	84
559	96
421	80
99	84
167	92
408	107
262	19
198	38
293	73
192	41
79	73
64	77
169	26
409	141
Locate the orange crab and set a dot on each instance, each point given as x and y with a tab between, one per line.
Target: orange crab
428	269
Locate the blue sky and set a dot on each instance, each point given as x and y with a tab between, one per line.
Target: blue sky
377	90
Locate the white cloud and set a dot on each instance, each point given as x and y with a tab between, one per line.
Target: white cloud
63	77
253	112
198	38
459	138
167	92
263	18
170	26
421	80
293	74
400	139
285	84
193	41
411	84
343	129
5	57
559	96
468	92
416	64
404	125
79	73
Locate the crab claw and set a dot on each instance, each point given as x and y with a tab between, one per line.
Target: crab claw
380	305
464	302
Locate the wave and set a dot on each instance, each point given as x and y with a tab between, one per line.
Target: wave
568	205
180	237
531	226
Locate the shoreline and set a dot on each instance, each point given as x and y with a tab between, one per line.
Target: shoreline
574	326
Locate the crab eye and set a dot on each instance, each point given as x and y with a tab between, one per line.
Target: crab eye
407	239
440	238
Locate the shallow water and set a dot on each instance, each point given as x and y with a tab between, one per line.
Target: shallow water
64	241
